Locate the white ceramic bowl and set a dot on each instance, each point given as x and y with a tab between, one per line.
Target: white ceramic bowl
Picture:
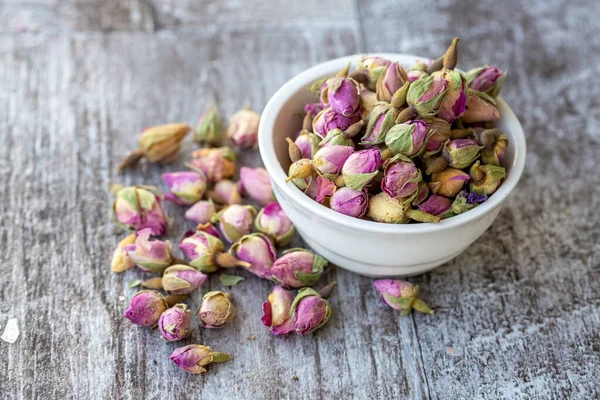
367	247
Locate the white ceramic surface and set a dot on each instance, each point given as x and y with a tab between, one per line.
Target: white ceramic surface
367	247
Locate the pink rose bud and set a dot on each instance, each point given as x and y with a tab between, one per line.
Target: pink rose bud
461	153
381	119
186	187
150	256
309	311
401	295
276	311
407	138
488	79
330	160
485	179
194	357
256	184
350	202
448	182
321	188
201	212
401	178
257	250
243	128
436	205
174	324
416	71
479	110
138	207
226	192
209	130
208	228
454	103
272	221
342	95
308	144
181	279
216	310
439	133
426	94
207	252
146	308
375	66
361	167
235	221
329	119
297	268
217	164
390	81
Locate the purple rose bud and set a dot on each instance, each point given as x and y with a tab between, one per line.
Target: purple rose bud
174	324
401	178
181	279
381	119
479	110
226	192
390	81
216	310
297	268
276	311
256	183
186	187
329	119
461	153
323	188
202	249
454	103
448	182
194	357
209	130
138	207
272	221
150	256
235	221
488	79
330	160
436	205
201	212
120	260
342	95
350	202
257	250
308	143
426	94
309	311
401	295
486	179
407	138
361	167
146	308
217	164
243	128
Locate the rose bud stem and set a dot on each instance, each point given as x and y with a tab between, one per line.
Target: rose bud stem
407	114
226	260
173	299
386	154
399	98
303	171
488	137
461	133
293	150
132	159
360	76
436	165
421	216
327	291
451	56
436	65
307	122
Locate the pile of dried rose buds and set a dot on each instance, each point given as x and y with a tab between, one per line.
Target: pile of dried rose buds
396	145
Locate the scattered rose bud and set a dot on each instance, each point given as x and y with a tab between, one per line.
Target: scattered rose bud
201	212
401	178
297	268
401	295
330	160
461	153
426	95
120	260
436	205
138	207
381	119
226	192
194	357
342	95
328	119
174	324
276	311
407	138
448	182
256	184
243	128
479	110
217	309
209	130
207	252
181	279
150	256
488	79
361	167
350	202
454	103
217	164
485	179
186	187
272	221
310	311
257	250
146	308
235	221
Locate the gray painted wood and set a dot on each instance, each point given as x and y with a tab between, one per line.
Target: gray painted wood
518	313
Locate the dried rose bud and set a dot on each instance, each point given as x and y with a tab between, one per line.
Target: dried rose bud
390	81
448	182
138	207
186	187
330	160
297	268
461	153
257	250
146	308
454	103
256	184
401	178
323	188
272	221
426	94
407	138
216	310
194	357
209	130
479	110
235	221
401	295
217	164
207	252
150	256
361	167
309	311
208	228
375	66
329	119
243	128
422	193
120	260
485	179
368	100
439	133
350	202
201	212
494	153
276	311
488	79
174	324
336	137
342	95
308	144
226	192
381	119
436	205
181	279
416	71
390	210
158	144
301	173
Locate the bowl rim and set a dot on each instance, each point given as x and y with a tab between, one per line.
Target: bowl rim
278	175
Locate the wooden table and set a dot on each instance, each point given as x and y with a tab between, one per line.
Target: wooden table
518	313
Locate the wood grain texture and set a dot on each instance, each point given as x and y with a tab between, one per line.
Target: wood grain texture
518	313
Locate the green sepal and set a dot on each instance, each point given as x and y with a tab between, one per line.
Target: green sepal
205	263
403	302
220	356
483	95
358	181
230	280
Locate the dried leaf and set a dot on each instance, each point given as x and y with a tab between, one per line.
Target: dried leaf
134	283
154	283
230	280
